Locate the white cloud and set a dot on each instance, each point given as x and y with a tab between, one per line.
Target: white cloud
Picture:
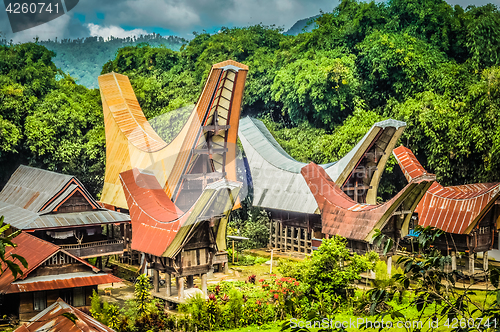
164	13
55	28
112	30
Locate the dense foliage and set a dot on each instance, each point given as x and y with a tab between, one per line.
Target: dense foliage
83	58
427	63
46	119
432	65
439	295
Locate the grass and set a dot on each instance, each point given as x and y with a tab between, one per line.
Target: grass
272	327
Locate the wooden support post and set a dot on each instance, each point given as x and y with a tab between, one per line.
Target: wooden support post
204	284
389	265
309	240
226	268
299	230
180	290
471	262
112	231
271	265
453	260
168	284
281	236
286	238
156	280
299	238
485	261
271	234
190	282
276	230
233	251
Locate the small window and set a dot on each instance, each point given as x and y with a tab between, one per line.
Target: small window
39	301
78	297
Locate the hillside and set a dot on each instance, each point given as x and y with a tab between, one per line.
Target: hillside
83	58
299	26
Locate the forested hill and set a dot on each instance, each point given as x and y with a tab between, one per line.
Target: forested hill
434	66
299	26
83	58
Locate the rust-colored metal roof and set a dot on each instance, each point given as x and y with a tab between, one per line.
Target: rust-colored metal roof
36	252
33	249
157	222
342	216
454	209
52	320
61	281
155	218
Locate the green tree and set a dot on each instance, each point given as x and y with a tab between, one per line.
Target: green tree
142	294
396	65
333	270
319	89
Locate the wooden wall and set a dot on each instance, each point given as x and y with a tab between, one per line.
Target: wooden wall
26	310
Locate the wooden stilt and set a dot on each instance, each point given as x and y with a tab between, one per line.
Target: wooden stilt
189	282
156	280
286	238
485	261
471	262
276	237
168	284
204	284
180	290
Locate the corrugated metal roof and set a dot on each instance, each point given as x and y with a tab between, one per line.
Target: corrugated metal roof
61	281
342	216
455	209
95	217
277	182
31	197
15	215
26	220
157	224
36	252
52	320
30	188
33	249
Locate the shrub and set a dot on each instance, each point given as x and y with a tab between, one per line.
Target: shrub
142	295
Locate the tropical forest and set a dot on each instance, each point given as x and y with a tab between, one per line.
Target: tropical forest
318	91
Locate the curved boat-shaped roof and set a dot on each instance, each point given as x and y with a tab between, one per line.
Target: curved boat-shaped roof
131	142
277	182
342	216
454	209
159	227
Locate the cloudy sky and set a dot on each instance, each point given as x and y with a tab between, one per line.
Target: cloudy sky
122	18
